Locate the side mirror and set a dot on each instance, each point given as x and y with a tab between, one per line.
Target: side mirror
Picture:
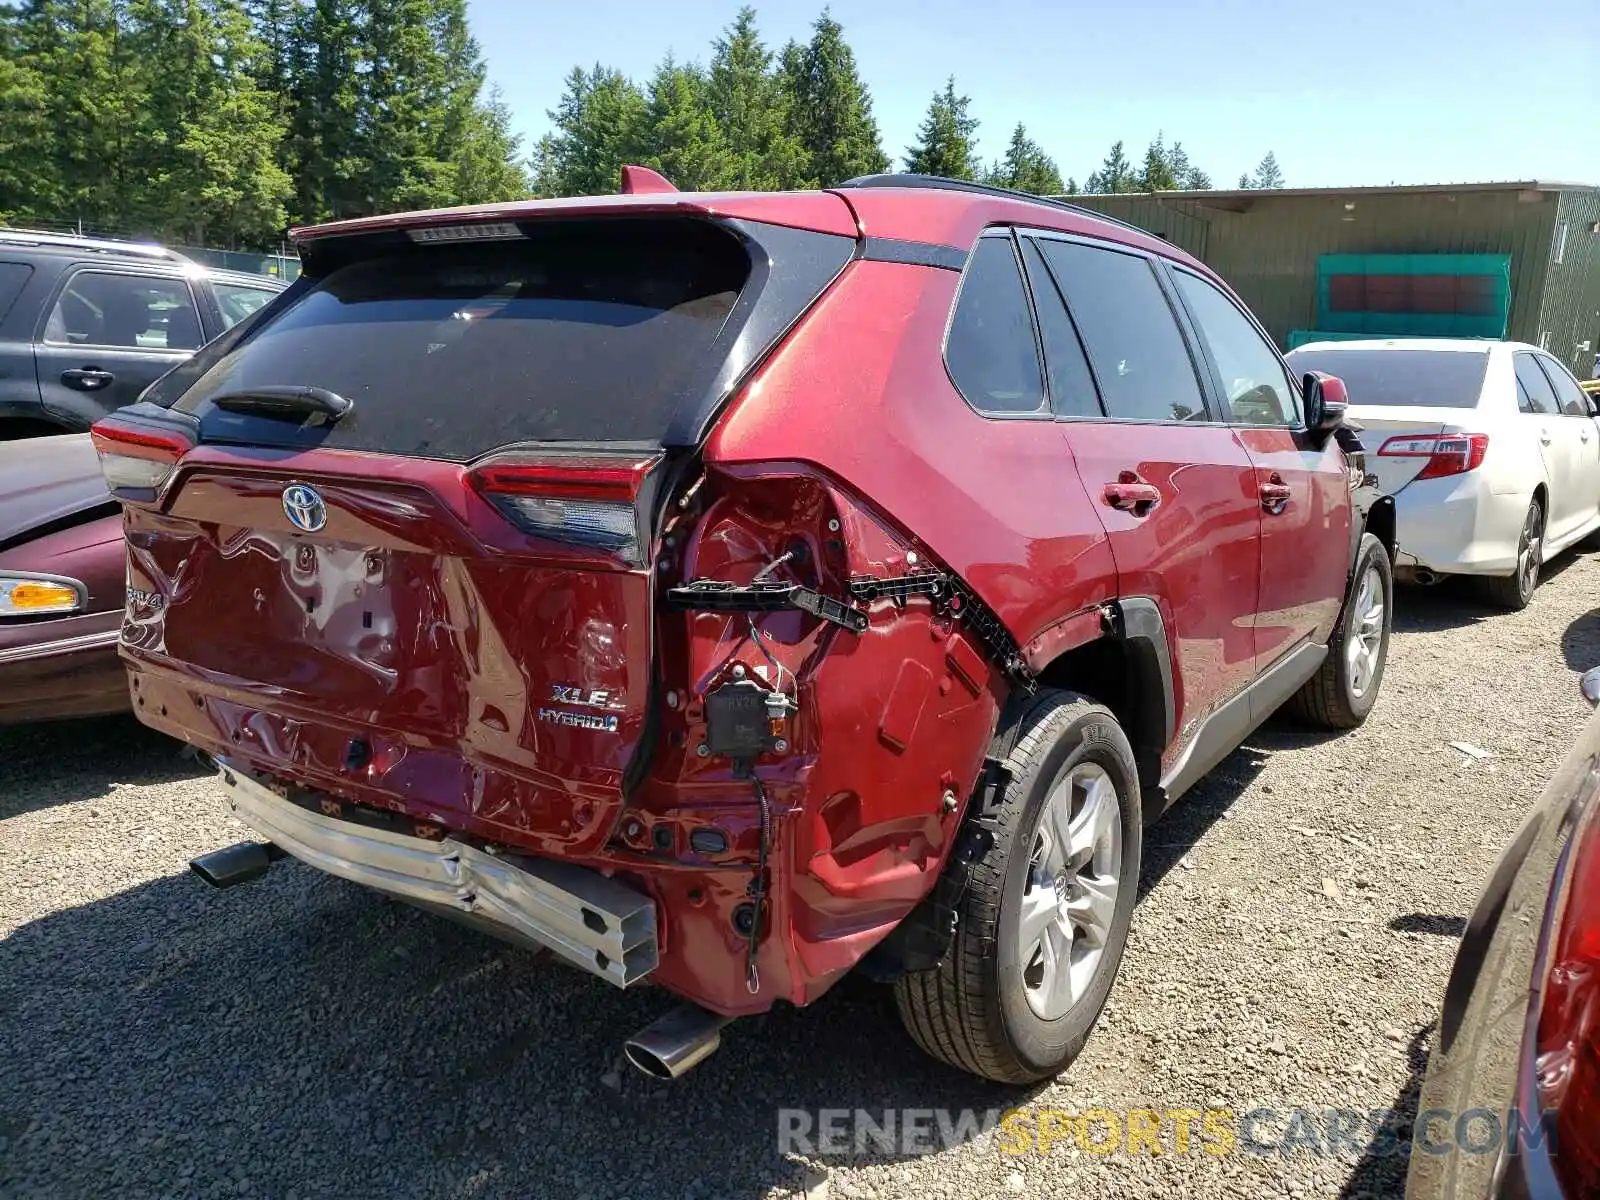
1590	686
1325	401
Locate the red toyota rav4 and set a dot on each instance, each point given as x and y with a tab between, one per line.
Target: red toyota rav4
726	591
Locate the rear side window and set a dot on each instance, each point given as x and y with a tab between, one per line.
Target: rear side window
1072	392
237	301
1534	393
990	351
1568	394
582	331
138	312
13	276
1134	345
1424	378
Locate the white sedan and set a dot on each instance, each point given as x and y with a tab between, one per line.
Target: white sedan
1490	449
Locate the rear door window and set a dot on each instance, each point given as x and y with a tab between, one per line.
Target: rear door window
1072	391
136	312
1534	393
1138	354
991	352
237	301
1569	396
13	276
1255	385
598	331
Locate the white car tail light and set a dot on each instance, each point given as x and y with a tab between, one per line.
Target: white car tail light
590	503
1447	453
135	462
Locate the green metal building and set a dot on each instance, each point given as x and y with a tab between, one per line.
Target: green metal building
1514	260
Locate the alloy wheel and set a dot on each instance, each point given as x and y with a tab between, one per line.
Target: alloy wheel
1365	641
1071	894
1529	549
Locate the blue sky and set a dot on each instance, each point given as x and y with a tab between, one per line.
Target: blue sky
1345	92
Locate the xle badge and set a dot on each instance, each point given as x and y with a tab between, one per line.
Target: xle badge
601	721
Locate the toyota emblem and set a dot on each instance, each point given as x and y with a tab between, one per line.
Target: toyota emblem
304	507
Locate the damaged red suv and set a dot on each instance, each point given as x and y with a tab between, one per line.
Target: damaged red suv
727	592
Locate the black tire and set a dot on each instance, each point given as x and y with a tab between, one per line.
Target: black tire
972	1011
1515	591
1330	699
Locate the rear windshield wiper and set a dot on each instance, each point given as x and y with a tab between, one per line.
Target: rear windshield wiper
297	402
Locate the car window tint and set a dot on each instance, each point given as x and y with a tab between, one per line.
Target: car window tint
990	351
1254	383
1534	393
13	275
1072	391
1569	396
99	308
1138	355
237	301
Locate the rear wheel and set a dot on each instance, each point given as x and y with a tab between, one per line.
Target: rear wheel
1345	687
1045	914
1514	591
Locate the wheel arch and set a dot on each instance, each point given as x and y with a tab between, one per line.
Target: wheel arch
1380	523
1128	668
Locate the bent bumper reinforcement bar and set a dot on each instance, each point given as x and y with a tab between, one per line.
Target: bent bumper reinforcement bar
601	925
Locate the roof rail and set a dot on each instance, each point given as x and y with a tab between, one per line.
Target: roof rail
940	183
73	241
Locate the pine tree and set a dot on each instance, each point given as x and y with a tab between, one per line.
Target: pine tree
1114	175
30	181
1026	168
945	143
1188	176
599	126
829	108
485	159
751	111
77	88
1267	173
1160	173
208	170
682	138
325	148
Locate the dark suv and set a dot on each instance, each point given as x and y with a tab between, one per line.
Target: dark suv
729	591
87	324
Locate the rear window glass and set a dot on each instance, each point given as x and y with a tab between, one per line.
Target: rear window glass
1425	378
589	332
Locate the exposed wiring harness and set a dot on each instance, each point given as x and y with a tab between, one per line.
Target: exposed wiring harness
757	890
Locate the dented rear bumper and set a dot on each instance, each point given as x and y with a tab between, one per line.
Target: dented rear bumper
601	925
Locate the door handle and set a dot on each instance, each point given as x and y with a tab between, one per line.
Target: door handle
87	379
1275	494
1130	495
1544	436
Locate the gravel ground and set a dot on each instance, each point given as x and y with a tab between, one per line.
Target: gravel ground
301	1037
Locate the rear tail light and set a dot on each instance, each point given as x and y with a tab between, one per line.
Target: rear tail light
1447	453
1568	1065
592	503
136	462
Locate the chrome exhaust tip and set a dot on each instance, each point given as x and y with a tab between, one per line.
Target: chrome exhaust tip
1425	577
235	864
673	1045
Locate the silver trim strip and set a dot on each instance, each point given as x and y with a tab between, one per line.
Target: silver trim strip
601	925
83	641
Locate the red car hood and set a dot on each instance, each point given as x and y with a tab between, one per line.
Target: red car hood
47	479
